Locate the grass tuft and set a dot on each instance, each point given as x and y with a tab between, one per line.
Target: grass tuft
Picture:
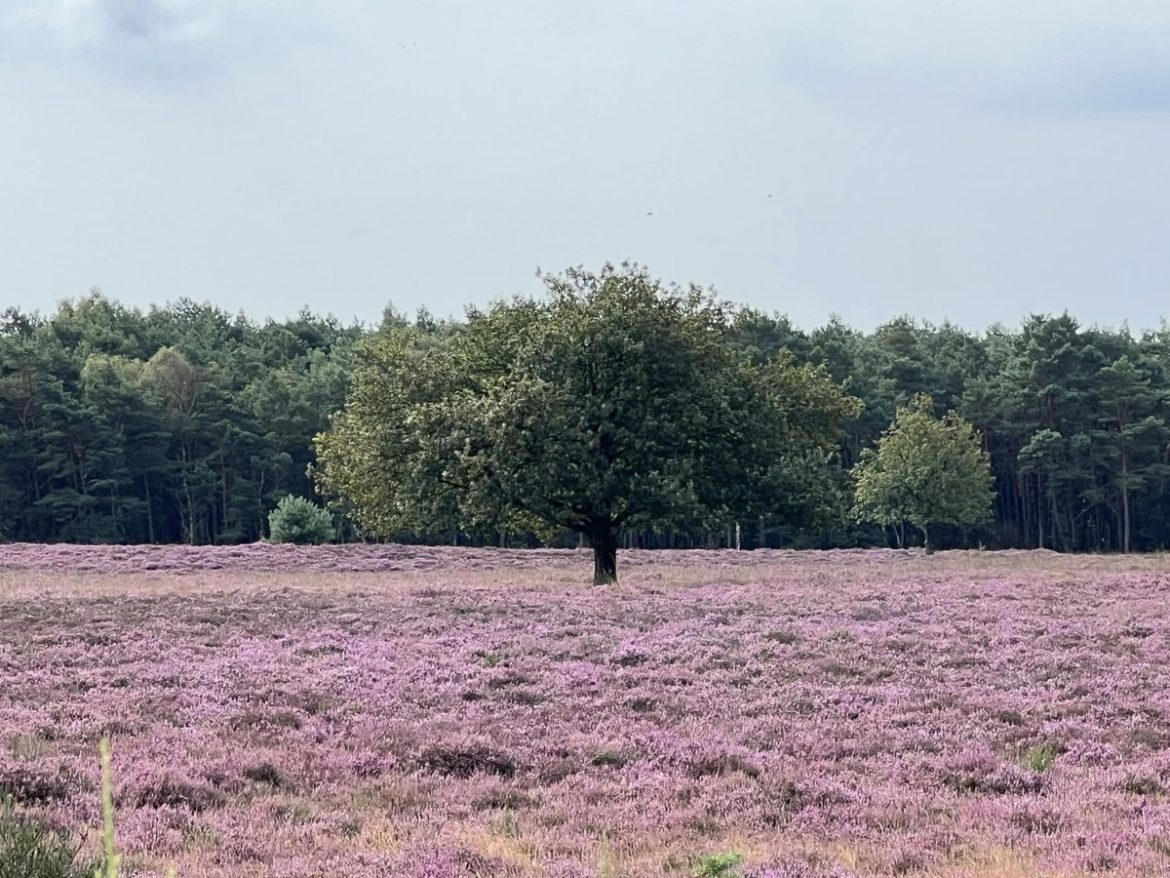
723	865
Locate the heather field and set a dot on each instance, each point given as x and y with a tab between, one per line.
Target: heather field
391	711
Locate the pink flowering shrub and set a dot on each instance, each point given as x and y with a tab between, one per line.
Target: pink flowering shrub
401	711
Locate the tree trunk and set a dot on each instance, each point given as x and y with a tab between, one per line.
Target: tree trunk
605	546
190	498
1039	513
926	543
223	481
1125	528
190	512
149	509
261	520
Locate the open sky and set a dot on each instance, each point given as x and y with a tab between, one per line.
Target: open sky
973	161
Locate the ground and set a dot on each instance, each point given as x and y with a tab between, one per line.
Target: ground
375	711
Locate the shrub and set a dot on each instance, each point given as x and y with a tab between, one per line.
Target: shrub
170	792
785	638
29	849
297	520
28	787
609	759
501	800
1041	757
267	773
1142	786
725	865
978	773
466	761
719	764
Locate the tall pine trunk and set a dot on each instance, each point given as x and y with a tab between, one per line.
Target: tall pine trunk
149	507
1039	513
1125	519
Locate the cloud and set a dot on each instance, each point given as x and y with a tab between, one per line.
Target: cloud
1035	57
156	38
176	21
1047	54
152	38
80	24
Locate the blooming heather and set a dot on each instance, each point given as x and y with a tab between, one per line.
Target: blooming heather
396	711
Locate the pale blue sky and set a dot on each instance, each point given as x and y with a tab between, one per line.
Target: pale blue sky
971	161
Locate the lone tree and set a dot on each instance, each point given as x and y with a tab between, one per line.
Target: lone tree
612	403
926	471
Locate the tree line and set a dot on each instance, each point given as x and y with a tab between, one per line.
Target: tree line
186	423
180	424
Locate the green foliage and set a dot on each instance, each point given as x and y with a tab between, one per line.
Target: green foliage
927	471
29	849
491	659
297	520
785	638
180	424
111	863
188	423
723	865
614	403
111	866
1043	756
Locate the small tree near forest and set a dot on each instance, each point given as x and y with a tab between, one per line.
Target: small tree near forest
297	520
613	403
925	471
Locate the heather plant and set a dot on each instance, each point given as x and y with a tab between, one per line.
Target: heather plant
30	849
300	521
111	864
784	638
491	659
343	721
609	758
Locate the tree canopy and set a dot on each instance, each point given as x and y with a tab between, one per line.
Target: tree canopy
187	423
926	471
612	403
182	423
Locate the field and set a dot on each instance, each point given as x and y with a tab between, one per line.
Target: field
385	711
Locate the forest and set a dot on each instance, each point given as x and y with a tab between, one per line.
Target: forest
187	424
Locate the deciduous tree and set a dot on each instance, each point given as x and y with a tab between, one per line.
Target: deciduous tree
926	471
613	403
